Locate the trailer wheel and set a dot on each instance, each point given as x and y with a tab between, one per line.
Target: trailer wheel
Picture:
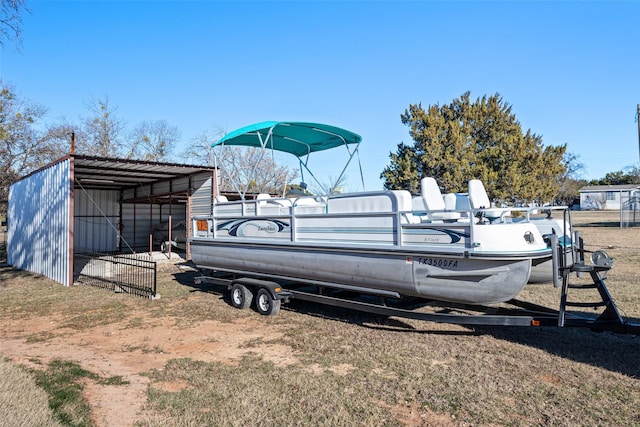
241	296
265	304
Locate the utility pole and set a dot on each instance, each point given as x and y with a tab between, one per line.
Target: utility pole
638	121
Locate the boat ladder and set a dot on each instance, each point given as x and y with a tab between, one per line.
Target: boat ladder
571	263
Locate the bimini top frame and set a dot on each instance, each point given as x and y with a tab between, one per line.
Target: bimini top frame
297	138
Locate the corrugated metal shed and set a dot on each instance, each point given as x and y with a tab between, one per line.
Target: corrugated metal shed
39	223
94	204
96	220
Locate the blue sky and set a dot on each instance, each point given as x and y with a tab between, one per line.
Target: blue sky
570	70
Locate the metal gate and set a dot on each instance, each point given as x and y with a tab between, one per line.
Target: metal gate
134	274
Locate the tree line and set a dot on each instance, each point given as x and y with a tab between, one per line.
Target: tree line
29	142
483	139
453	143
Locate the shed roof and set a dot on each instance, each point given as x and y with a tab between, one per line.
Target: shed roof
104	173
621	187
115	174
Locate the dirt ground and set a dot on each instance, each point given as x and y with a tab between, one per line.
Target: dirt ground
118	349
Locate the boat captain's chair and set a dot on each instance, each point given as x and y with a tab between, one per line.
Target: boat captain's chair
434	202
478	199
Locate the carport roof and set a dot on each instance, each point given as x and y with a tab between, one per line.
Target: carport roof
116	174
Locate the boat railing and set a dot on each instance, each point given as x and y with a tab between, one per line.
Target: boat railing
382	218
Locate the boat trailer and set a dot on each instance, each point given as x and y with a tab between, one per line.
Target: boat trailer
271	291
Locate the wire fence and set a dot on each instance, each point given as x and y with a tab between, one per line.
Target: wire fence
630	209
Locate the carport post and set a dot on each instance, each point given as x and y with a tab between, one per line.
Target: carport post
170	225
150	228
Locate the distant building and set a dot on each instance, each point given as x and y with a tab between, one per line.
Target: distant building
606	197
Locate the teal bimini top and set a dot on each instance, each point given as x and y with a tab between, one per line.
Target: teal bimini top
297	138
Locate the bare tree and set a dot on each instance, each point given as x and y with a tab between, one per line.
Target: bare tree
252	170
153	141
23	148
570	182
243	169
200	150
103	130
11	20
58	137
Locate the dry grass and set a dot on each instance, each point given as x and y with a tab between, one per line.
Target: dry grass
22	402
601	230
339	367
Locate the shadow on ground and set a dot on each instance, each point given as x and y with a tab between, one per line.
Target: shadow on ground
614	352
611	351
605	224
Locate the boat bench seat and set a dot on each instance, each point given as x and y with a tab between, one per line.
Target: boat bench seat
309	205
266	205
382	202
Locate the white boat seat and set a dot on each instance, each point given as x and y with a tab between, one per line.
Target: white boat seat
417	204
306	201
359	203
380	202
404	203
221	199
478	199
434	201
450	201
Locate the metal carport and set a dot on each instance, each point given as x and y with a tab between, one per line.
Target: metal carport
94	204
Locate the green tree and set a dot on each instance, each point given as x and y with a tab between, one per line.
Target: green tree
618	178
481	139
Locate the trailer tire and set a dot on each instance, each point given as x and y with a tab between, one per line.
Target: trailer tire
266	304
241	296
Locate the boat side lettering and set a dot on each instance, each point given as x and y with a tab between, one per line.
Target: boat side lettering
438	262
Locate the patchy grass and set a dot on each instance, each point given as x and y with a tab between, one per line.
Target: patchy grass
62	381
259	393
